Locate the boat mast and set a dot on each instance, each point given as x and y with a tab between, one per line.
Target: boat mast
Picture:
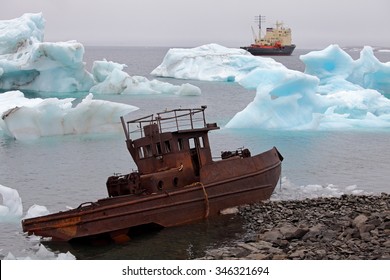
259	19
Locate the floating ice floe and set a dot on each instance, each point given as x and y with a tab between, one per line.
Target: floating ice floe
335	92
11	211
111	79
11	207
37	251
26	119
211	62
42	253
28	63
338	71
36	211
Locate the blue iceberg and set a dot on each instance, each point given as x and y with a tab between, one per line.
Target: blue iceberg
334	92
29	63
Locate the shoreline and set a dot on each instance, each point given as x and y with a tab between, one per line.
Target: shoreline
349	227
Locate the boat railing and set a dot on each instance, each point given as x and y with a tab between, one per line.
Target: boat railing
166	121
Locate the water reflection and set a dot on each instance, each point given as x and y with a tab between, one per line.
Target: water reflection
182	242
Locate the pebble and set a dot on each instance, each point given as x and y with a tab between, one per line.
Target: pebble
349	227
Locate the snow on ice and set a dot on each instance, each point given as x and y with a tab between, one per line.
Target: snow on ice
28	63
27	119
335	91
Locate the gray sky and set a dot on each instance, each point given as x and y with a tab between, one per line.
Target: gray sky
180	23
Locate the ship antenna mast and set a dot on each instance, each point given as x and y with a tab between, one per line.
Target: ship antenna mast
259	19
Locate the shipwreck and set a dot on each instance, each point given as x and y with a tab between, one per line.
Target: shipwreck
177	181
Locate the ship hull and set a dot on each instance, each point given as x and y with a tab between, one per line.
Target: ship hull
224	184
270	51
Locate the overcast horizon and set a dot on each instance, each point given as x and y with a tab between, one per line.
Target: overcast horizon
175	23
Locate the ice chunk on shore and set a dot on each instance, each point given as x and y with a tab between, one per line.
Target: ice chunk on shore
34	118
290	191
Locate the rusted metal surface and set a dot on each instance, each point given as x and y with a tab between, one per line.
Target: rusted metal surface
177	181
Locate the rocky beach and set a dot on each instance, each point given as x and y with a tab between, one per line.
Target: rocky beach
349	227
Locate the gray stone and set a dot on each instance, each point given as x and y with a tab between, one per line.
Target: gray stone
363	228
298	254
321	253
262	245
248	246
279	257
271	236
292	232
361	219
258	256
314	232
387	244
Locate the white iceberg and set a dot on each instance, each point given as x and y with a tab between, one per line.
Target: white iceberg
113	80
34	118
27	63
211	62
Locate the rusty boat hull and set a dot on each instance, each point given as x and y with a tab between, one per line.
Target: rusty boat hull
177	181
222	184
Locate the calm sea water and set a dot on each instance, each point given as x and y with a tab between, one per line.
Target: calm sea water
65	171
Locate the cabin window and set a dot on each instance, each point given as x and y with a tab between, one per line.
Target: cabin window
160	185
140	152
201	142
175	182
192	143
148	151
180	144
167	146
158	148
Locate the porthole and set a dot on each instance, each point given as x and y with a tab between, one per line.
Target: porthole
160	185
